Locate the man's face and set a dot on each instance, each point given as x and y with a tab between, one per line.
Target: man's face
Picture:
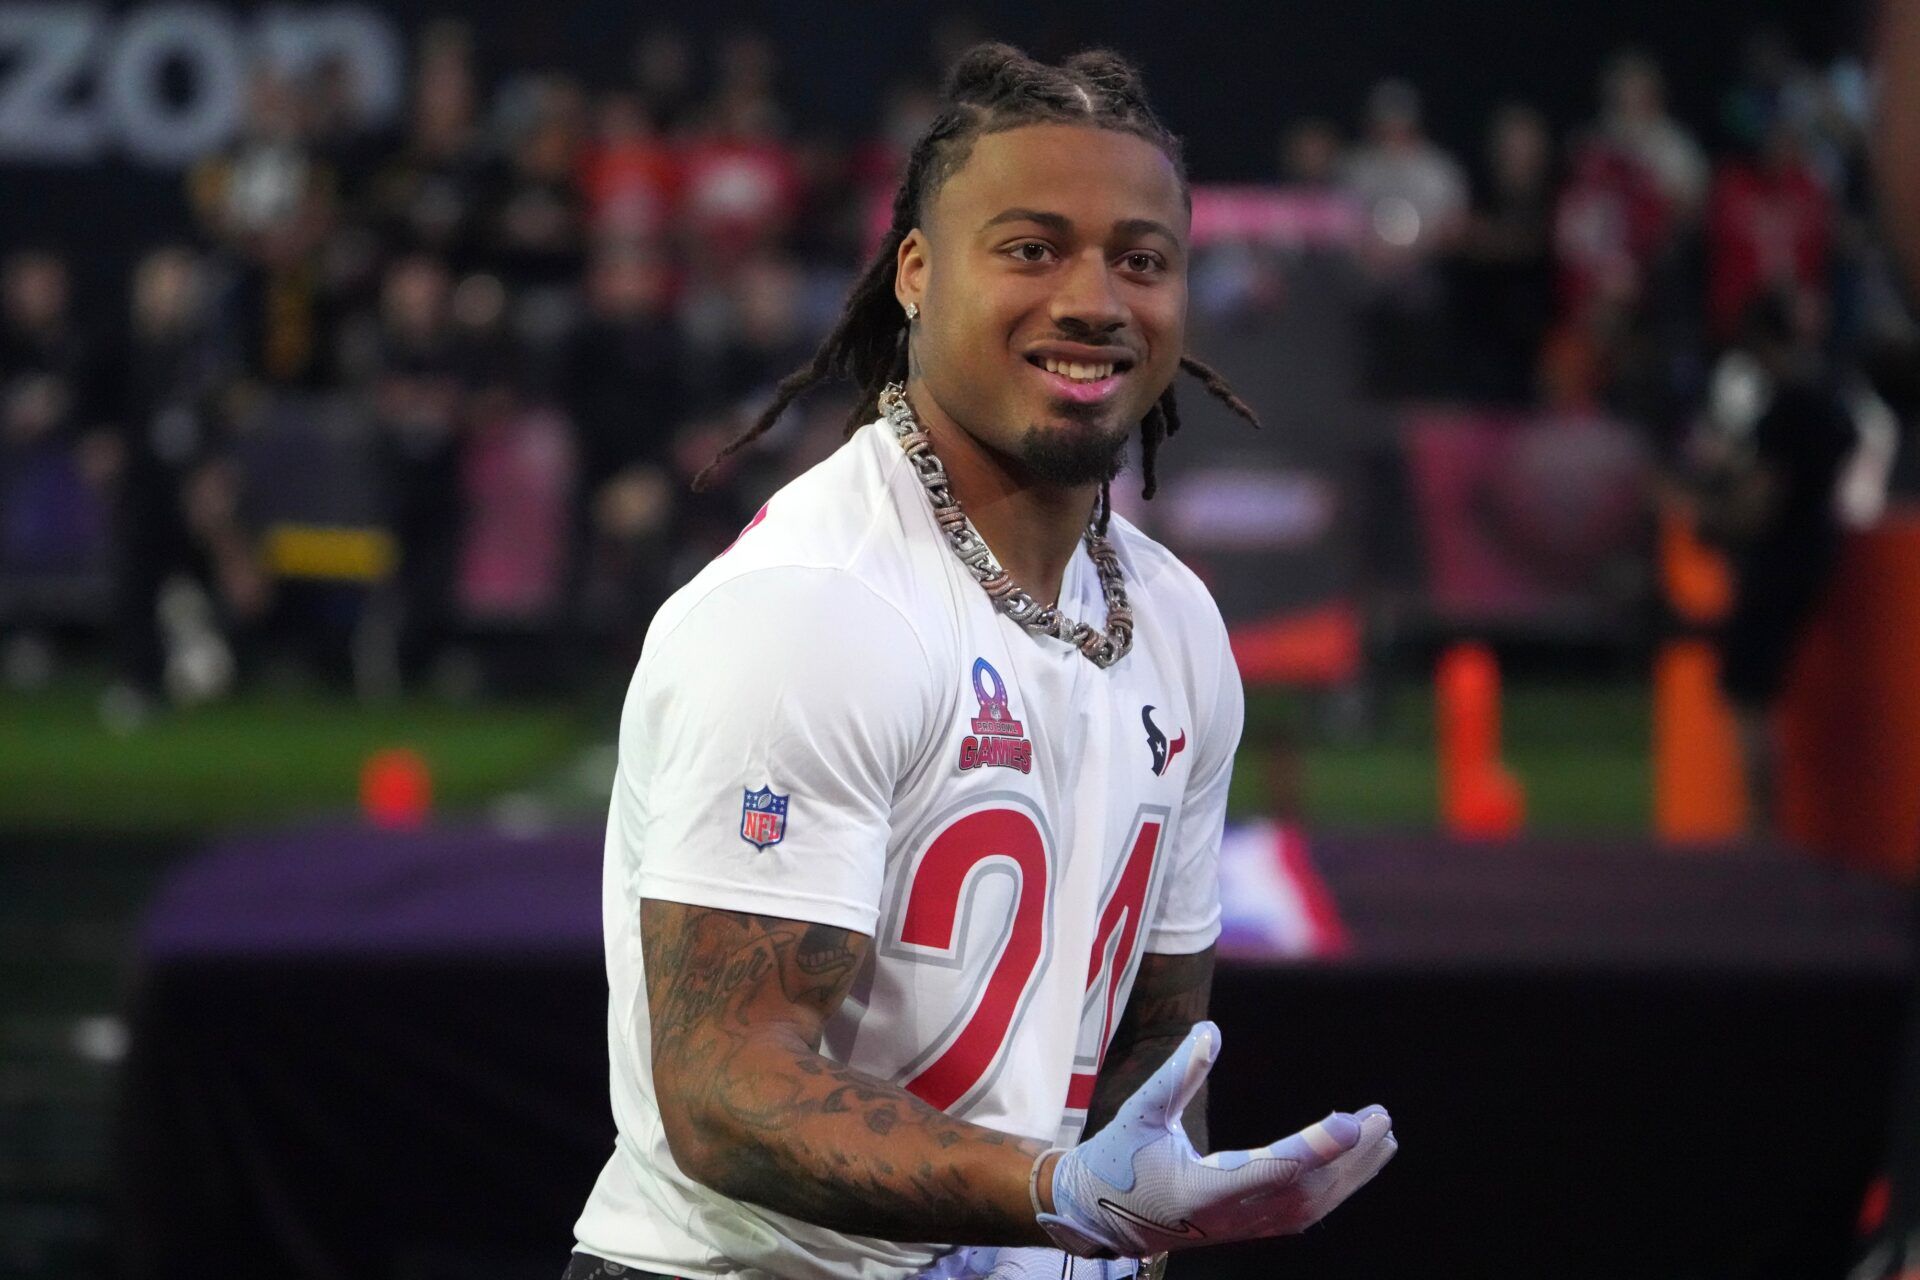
1051	276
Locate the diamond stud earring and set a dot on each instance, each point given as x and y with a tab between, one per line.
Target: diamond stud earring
913	312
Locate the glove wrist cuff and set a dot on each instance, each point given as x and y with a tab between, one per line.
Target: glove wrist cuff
1033	1180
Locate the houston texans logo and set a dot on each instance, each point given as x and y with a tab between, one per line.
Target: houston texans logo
1163	751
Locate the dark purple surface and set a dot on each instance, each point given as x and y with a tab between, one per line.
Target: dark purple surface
359	1055
1414	899
354	890
1409	898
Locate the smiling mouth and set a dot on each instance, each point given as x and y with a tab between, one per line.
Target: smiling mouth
1082	371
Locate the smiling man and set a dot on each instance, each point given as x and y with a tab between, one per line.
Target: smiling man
911	865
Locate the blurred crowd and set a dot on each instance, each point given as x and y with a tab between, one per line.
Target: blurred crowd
534	309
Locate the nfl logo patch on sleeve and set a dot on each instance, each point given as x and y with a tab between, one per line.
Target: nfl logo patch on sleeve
763	818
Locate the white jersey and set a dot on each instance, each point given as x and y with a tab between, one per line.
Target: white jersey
831	723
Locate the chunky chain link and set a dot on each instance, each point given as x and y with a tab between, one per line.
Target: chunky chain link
1102	648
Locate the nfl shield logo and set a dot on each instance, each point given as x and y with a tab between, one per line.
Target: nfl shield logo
763	818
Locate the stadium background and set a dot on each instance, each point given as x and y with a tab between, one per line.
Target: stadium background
340	486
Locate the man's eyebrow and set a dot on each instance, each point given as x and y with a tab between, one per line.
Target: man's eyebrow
1063	225
1052	221
1130	227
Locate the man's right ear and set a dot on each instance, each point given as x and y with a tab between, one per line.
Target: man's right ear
910	270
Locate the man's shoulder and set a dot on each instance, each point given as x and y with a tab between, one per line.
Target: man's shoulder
1160	576
839	514
831	552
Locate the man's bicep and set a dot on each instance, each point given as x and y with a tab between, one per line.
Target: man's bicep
757	775
1170	994
716	978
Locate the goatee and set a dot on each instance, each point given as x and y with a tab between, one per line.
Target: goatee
1071	456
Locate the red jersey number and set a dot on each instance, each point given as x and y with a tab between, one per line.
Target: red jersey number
973	845
932	921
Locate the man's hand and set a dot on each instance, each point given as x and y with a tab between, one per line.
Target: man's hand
1138	1187
1030	1264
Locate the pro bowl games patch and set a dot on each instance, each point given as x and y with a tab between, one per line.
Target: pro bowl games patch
997	740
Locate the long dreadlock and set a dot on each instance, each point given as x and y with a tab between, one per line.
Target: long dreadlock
991	88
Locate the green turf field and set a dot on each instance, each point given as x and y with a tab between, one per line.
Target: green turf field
258	758
1580	751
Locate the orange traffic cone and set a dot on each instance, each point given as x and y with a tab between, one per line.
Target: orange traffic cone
1479	797
396	789
1699	783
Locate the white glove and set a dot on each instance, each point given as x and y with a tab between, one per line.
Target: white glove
1138	1187
1026	1264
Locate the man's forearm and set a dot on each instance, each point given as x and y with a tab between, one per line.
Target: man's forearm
1127	1068
790	1130
754	1111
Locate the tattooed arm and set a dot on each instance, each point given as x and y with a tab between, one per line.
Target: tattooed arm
1170	994
738	1004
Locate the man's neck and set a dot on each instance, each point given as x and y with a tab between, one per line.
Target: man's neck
1033	528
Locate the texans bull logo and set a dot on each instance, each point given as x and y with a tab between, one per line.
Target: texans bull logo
1163	751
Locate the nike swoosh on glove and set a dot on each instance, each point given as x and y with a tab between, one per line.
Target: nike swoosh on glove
1138	1187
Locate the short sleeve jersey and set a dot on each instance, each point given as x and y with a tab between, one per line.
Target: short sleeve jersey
832	723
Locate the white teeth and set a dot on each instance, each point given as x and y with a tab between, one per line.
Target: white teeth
1078	372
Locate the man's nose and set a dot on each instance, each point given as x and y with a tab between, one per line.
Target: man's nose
1086	298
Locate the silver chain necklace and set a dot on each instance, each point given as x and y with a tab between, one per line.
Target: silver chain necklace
1102	648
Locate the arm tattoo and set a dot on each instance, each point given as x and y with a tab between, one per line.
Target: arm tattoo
1170	994
738	1004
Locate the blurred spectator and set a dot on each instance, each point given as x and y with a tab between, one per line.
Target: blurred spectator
267	202
743	184
1774	84
747	71
625	383
1770	228
414	388
1634	188
534	224
1414	194
516	484
749	330
1634	119
426	197
49	368
173	371
337	131
630	174
1413	197
271	177
479	323
664	80
1834	112
55	457
877	164
1312	155
1625	252
625	374
1504	293
1610	225
1781	433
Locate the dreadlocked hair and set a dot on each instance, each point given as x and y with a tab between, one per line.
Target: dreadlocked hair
991	88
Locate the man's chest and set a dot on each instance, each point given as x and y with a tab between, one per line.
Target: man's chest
1027	858
1080	746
